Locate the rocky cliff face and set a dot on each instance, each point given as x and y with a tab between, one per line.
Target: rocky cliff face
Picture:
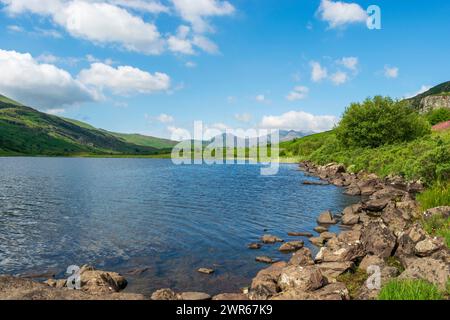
434	102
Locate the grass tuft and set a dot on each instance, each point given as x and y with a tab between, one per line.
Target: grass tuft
409	290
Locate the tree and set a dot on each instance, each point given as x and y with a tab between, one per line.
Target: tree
380	121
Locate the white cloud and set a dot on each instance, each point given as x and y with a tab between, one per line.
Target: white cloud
165	118
124	79
205	44
55	111
142	5
183	42
422	89
180	43
350	63
40	85
98	22
15	28
299	92
190	64
48	58
299	120
197	12
339	78
260	98
178	134
339	14
391	72
318	73
243	117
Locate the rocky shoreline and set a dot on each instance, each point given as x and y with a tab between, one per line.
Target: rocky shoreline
382	233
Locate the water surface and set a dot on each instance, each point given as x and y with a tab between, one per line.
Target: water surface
150	215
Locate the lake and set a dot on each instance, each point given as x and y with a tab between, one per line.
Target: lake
150	215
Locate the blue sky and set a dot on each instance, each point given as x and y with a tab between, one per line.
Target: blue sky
153	67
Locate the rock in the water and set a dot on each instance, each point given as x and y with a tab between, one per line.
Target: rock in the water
431	270
300	234
231	297
164	294
301	257
352	190
378	239
194	296
306	278
12	288
315	183
206	270
291	246
100	282
320	229
265	284
327	235
428	246
254	246
326	217
317	241
267	238
264	259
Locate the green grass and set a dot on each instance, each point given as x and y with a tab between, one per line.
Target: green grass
436	196
409	290
353	280
438	225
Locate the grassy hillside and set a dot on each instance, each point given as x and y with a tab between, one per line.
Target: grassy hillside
138	139
441	89
25	131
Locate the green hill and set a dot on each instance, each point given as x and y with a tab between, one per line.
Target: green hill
134	138
26	131
442	89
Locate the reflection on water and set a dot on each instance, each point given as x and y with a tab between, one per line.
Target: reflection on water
153	221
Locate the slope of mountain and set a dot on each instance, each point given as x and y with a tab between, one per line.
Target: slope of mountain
436	97
134	138
26	131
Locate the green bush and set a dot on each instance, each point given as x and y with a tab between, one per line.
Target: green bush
380	121
438	115
409	290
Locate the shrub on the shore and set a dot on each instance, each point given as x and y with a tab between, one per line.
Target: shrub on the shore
426	158
380	121
409	290
438	115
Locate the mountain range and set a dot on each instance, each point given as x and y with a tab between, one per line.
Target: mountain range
26	131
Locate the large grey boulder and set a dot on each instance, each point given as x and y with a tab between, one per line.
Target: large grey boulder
378	239
307	278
